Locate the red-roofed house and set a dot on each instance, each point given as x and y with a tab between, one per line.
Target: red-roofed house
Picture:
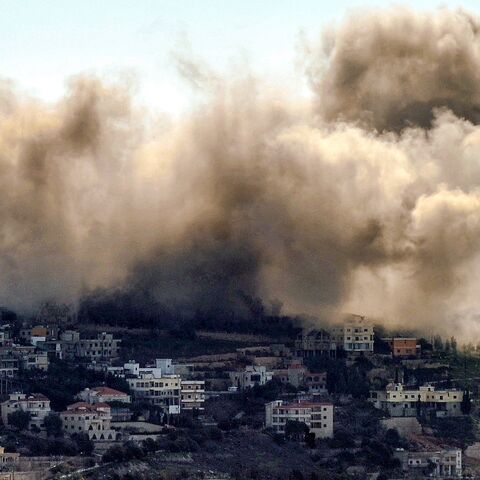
94	420
103	395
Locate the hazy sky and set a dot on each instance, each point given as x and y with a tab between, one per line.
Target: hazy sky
43	42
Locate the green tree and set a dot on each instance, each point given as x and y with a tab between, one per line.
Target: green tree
19	420
295	430
133	451
310	439
53	425
425	345
392	438
342	439
84	444
114	454
466	404
437	343
149	445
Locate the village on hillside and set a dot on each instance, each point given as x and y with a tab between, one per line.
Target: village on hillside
348	400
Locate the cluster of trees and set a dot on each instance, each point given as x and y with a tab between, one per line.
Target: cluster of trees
20	420
376	451
123	453
55	444
459	429
343	379
130	307
77	444
449	345
188	440
63	381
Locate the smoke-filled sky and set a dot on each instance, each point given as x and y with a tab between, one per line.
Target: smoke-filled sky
43	42
360	196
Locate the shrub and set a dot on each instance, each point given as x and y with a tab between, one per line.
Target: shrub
19	420
342	439
53	425
114	454
215	434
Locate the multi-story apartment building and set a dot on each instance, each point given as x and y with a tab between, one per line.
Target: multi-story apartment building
53	349
70	346
403	347
21	357
299	376
94	420
398	401
317	416
151	386
9	365
104	346
439	464
36	404
192	394
38	360
251	376
5	336
315	343
354	336
103	395
39	333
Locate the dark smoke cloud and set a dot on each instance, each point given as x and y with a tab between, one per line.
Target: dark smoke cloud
252	195
391	68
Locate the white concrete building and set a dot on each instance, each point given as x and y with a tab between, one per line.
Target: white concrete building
439	464
36	404
192	394
318	416
157	389
131	368
165	365
398	401
103	395
354	335
251	376
94	420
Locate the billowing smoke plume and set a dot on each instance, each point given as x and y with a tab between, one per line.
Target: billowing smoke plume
366	201
391	68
